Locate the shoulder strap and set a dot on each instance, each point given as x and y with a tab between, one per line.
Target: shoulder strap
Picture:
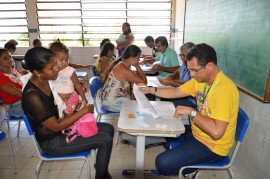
71	133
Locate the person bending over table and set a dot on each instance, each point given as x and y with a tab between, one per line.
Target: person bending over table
213	126
118	77
179	77
38	103
166	61
150	42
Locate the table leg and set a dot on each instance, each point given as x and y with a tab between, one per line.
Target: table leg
140	148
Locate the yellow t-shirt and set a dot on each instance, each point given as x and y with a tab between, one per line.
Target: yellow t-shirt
221	103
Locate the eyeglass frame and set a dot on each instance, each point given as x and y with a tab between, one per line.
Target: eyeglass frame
196	71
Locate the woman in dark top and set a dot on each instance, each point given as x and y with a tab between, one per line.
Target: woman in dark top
39	106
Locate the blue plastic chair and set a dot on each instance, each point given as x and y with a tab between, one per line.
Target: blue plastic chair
241	128
8	118
94	70
46	157
95	85
2	137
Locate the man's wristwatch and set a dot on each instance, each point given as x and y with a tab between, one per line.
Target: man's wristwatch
193	114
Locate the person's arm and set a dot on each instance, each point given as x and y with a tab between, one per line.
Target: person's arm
157	67
215	128
169	82
174	76
123	73
129	40
164	92
57	125
77	86
11	90
42	110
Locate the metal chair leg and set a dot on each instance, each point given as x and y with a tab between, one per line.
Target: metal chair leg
11	154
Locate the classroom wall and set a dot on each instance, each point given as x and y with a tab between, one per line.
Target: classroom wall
253	159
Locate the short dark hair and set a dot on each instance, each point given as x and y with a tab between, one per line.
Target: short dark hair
35	42
163	40
103	42
187	46
204	54
57	47
107	46
10	45
37	58
149	39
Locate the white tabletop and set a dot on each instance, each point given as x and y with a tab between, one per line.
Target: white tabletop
132	119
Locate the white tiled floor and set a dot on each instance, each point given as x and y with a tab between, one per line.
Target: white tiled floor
123	157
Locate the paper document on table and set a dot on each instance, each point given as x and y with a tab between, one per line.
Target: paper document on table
143	102
156	82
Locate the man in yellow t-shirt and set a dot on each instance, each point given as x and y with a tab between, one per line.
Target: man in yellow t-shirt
212	131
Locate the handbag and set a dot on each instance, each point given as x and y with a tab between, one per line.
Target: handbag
86	126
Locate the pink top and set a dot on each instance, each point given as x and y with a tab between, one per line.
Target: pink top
63	83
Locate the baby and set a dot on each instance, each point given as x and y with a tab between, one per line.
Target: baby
67	80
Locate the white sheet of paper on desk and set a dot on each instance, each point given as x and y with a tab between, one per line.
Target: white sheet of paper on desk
156	82
143	102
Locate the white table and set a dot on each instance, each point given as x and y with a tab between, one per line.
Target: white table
134	122
147	69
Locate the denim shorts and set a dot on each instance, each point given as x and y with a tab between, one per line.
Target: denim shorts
15	109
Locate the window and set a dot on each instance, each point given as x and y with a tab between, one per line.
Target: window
87	22
13	22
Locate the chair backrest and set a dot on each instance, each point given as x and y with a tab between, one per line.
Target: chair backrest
2	135
94	70
28	124
242	124
241	128
95	84
31	132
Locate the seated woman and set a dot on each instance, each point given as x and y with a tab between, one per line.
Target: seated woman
105	58
118	77
38	102
10	85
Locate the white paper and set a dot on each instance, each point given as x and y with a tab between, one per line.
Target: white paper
143	102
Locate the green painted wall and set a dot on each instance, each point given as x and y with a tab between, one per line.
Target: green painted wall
239	30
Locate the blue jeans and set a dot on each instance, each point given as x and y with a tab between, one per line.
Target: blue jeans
102	141
15	109
190	152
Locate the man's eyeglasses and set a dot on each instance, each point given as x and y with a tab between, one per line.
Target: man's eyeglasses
196	71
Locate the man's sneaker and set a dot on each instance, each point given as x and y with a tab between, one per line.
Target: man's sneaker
191	175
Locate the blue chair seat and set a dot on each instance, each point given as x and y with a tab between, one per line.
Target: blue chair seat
81	154
222	163
102	110
8	118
